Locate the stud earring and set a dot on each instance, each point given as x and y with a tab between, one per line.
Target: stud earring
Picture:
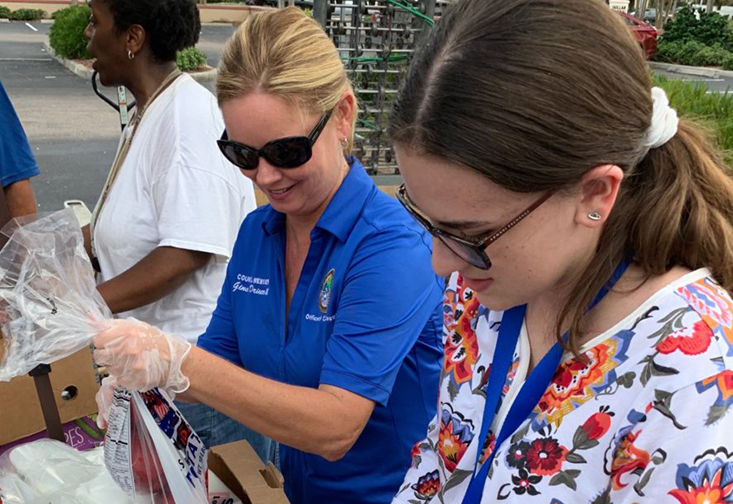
595	216
130	55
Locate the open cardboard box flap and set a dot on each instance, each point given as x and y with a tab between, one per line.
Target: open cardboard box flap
21	410
239	468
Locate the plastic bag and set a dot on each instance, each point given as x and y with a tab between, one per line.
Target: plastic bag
13	490
49	298
48	294
150	449
50	472
49	467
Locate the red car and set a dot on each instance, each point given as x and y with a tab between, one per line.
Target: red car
645	34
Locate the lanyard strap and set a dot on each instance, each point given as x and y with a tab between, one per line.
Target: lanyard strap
128	135
532	390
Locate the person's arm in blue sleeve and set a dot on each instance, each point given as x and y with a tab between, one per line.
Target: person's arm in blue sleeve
330	418
17	164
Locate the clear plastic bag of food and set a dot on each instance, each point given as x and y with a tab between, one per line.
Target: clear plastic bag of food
48	296
52	309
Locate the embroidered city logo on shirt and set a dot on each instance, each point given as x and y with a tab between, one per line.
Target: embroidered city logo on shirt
324	297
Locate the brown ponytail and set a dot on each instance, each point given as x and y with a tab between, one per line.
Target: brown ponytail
532	94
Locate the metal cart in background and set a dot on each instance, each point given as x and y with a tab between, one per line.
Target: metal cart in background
376	40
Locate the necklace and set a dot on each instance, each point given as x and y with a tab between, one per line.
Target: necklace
128	136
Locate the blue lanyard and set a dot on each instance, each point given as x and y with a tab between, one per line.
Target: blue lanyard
535	385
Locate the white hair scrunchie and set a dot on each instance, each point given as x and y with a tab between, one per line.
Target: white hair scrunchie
664	121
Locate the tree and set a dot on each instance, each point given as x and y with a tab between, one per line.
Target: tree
641	9
664	9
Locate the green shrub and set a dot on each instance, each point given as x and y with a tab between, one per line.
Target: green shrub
190	58
27	15
709	56
713	29
668	52
709	29
691	53
728	62
4	12
66	35
688	52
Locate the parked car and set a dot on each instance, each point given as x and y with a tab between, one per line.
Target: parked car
650	16
645	34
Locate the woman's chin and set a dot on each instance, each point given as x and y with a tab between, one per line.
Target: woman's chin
495	302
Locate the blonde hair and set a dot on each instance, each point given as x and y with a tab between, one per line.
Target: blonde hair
287	54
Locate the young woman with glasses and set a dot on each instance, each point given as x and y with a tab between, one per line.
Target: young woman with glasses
326	336
588	320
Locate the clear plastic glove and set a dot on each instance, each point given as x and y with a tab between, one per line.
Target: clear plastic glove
141	357
104	399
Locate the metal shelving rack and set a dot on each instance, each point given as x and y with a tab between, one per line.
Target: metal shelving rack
376	40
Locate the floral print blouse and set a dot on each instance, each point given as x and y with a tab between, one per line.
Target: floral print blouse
646	418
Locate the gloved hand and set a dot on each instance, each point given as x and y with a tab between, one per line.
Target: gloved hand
104	399
141	357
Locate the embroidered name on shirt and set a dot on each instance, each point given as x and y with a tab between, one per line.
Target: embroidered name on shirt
251	285
320	318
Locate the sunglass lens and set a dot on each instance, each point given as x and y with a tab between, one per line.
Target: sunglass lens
466	253
243	158
288	153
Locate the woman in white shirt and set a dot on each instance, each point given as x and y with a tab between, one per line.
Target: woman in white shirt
166	222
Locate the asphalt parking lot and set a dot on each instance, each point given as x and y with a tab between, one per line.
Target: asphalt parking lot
73	133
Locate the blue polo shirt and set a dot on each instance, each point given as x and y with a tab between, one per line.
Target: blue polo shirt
365	317
16	159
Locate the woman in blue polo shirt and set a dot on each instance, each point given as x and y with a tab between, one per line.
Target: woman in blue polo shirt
329	315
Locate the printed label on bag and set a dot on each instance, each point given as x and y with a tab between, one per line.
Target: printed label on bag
117	442
187	446
151	450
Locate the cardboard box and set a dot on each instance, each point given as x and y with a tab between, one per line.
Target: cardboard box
241	470
74	386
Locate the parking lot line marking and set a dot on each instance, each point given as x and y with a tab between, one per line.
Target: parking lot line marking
31	27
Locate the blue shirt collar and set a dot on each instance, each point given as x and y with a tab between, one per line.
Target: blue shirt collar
342	212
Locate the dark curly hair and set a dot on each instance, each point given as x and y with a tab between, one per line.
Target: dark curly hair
170	25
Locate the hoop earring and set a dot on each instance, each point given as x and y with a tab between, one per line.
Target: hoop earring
344	142
130	55
595	216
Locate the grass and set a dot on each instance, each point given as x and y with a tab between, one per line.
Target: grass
714	111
